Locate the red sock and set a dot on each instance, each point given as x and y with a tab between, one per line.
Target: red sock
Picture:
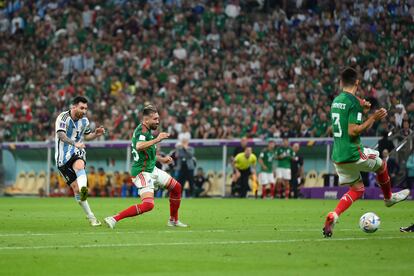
348	198
264	191
384	181
175	198
287	191
138	209
279	189
272	190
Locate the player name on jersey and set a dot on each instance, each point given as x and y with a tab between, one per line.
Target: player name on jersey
339	105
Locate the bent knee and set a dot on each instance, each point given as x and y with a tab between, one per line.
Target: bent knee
78	165
174	186
147	204
150	206
359	187
382	167
75	187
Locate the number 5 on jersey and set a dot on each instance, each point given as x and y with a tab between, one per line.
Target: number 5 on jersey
135	154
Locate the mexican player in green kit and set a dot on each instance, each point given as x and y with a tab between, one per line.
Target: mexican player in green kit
349	155
144	173
284	155
266	176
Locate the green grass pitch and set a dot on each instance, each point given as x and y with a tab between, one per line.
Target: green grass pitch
50	236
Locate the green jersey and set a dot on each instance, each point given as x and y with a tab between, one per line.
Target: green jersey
267	156
287	154
143	160
345	110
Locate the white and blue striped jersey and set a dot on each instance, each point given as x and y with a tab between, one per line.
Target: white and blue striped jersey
74	130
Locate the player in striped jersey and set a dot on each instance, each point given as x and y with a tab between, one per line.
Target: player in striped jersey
71	128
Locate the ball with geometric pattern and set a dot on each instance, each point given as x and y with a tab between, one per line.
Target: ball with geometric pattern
369	222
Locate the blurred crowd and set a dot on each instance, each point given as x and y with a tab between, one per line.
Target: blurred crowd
100	183
215	69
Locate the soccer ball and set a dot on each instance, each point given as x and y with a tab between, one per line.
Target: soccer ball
369	222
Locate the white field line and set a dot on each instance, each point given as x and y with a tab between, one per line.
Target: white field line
248	242
181	231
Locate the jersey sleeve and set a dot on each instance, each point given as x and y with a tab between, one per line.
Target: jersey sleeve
61	123
141	137
138	136
87	128
261	155
355	114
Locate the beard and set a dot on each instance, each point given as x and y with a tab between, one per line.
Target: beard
79	115
153	127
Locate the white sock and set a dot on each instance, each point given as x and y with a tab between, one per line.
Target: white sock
81	179
86	208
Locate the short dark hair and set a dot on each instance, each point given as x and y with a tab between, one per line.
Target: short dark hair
79	99
149	109
349	76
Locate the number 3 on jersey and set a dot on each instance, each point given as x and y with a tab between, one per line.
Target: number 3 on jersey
337	130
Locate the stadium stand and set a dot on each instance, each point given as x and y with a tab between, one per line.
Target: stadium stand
311	179
31	184
27	184
197	58
320	182
19	186
40	182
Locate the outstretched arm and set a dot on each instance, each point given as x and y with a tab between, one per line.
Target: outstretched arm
141	145
355	130
98	132
366	105
164	159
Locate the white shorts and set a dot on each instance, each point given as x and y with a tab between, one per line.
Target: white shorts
266	178
147	182
349	173
283	173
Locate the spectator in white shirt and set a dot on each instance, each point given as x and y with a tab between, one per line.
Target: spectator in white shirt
370	72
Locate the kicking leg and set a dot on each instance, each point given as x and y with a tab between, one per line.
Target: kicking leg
85	205
147	204
354	193
384	182
81	179
80	190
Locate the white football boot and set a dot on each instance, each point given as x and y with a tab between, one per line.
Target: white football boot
94	221
176	223
397	197
110	221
